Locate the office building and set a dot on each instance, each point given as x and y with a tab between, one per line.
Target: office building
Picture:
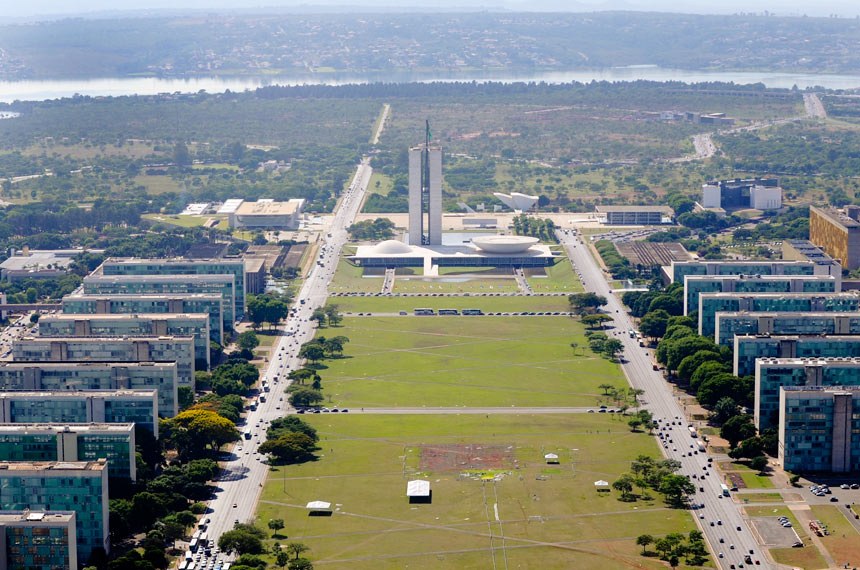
38	540
223	285
211	304
488	251
712	303
167	324
78	486
188	267
178	349
756	193
819	429
39	263
267	214
837	232
773	373
680	269
71	442
748	348
805	250
731	324
139	407
635	215
425	193
694	285
57	376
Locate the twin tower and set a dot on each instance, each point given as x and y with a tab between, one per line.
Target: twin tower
425	192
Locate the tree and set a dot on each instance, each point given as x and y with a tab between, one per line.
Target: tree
300	564
624	484
305	397
725	409
289	424
292	447
692	363
195	432
680	349
654	323
319	316
276	525
759	463
635	423
241	541
737	429
675	487
185	395
281	558
332	314
586	302
181	156
312	351
749	448
644	540
593	321
612	348
248	340
334	346
705	371
297	548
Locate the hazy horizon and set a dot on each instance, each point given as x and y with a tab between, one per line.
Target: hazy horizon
48	9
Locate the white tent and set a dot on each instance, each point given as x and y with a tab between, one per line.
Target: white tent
418	488
318	506
601	485
551	458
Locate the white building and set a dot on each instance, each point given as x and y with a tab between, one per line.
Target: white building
766	197
517	201
425	195
267	214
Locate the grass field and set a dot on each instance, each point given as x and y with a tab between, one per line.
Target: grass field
559	278
486	361
486	304
348	277
525	518
843	542
455	284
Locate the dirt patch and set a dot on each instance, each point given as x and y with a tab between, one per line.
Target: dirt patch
737	480
461	457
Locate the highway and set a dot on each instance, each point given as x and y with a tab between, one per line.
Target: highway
721	512
244	474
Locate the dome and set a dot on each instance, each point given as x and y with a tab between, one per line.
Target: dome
391	247
504	244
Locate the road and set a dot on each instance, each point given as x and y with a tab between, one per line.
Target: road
677	443
814	107
245	472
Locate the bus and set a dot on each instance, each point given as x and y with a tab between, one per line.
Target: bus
449	312
424	312
725	489
472	312
194	544
693	432
700	444
252	406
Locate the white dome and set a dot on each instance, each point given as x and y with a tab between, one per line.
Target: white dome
391	247
504	244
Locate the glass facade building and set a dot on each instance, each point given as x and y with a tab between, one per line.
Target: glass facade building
748	348
38	540
188	267
177	325
110	349
150	305
712	303
694	285
74	376
819	429
680	269
72	442
771	374
731	324
81	487
139	407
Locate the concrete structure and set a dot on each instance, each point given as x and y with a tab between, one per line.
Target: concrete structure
757	193
168	324
198	268
773	373
178	349
517	201
39	263
748	348
72	442
805	250
139	407
229	206
819	429
38	540
680	269
731	324
255	276
265	214
425	194
212	304
78	486
837	233
635	215
75	376
712	303
508	253
694	285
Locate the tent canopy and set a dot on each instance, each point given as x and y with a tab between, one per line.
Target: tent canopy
318	506
418	488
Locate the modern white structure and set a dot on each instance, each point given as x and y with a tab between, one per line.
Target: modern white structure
267	214
757	193
504	244
425	193
765	197
516	201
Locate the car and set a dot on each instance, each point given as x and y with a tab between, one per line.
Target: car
834	499
720	555
844	486
798	544
344	411
592	411
602	411
739	528
719	522
712	523
722	540
234	505
731	547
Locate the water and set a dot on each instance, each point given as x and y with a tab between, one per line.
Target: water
40	90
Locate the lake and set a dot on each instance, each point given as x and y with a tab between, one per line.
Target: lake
40	90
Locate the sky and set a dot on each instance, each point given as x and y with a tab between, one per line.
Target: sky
40	9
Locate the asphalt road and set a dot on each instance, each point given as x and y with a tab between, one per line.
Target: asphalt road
245	471
660	400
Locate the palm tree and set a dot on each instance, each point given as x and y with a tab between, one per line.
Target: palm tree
297	548
606	388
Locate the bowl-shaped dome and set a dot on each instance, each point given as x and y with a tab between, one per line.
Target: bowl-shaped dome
504	244
391	247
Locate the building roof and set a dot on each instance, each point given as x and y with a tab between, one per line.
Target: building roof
261	208
66	428
418	488
230	206
837	217
769	295
44	466
816	361
607	209
32	518
123	316
392	248
87	365
171	278
49	394
104	339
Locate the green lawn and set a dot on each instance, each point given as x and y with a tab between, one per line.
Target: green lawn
463	361
455	284
486	304
559	278
544	521
843	542
348	277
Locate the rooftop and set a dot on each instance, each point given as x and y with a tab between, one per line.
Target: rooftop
261	208
818	361
85	365
66	428
123	316
98	277
36	517
103	339
662	209
43	466
838	217
48	395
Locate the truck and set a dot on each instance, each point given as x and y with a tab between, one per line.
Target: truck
700	444
693	432
724	489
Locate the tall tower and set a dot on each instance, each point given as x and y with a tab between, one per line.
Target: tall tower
425	193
